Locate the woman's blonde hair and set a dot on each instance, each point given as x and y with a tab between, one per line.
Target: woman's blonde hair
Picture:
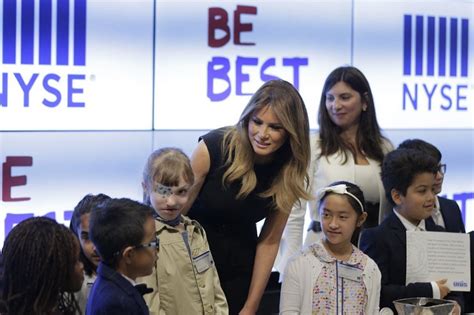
166	166
289	185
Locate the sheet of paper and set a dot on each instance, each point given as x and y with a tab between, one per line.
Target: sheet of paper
432	256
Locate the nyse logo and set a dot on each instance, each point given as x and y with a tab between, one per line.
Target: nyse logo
452	53
46	47
435	63
460	284
45	28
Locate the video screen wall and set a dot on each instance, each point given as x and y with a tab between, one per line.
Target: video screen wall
88	88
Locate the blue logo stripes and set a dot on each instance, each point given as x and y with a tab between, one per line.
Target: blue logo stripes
63	20
414	60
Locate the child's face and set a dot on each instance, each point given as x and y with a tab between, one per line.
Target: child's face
145	257
419	201
168	202
338	219
77	274
87	246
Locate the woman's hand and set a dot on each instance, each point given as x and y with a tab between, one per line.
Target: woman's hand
247	311
267	249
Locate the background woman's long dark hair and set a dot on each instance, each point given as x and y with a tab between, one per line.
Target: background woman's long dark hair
369	137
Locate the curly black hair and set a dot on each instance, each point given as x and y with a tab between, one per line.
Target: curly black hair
39	257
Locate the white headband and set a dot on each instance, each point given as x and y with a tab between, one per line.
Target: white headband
340	189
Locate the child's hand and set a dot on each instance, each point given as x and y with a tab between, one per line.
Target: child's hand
443	288
457	309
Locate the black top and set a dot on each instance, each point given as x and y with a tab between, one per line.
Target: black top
218	204
230	222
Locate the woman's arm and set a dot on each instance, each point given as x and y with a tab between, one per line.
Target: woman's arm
267	248
292	239
292	289
200	162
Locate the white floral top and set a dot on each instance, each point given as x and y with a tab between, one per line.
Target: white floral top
339	295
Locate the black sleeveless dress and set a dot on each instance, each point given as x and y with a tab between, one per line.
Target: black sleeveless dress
230	222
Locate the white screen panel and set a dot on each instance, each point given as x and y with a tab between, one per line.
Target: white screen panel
89	66
200	86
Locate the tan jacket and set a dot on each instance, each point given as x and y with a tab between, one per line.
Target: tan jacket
184	287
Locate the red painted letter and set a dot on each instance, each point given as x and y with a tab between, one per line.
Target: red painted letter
242	27
9	181
218	19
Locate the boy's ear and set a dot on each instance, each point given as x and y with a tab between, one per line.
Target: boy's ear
396	196
144	186
128	254
361	219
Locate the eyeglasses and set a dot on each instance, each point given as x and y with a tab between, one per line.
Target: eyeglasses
442	168
154	244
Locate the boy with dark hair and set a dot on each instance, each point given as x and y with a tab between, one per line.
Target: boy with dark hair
90	259
408	177
446	212
123	232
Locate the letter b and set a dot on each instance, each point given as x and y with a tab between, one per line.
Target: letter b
218	19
